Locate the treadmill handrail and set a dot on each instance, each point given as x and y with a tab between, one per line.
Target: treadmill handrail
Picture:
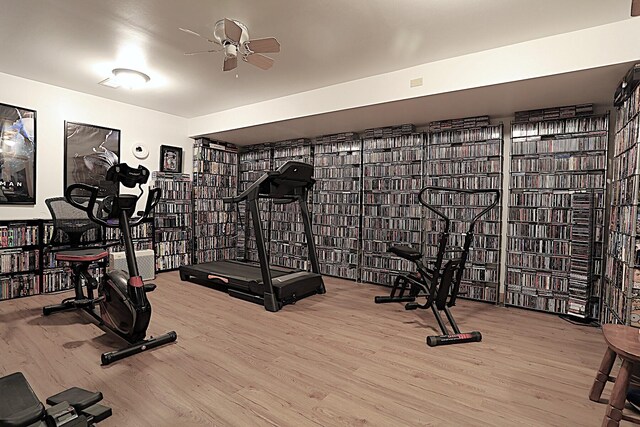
245	194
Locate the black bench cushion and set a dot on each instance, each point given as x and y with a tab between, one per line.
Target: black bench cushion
77	397
19	405
406	252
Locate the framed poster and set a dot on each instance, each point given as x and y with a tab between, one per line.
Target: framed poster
89	151
170	159
17	155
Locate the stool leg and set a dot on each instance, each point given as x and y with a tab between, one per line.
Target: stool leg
618	396
602	375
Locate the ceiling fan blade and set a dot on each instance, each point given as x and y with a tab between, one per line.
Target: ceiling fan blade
635	7
230	63
198	52
259	61
232	30
198	35
268	45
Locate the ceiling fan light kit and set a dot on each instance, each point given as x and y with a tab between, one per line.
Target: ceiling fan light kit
233	37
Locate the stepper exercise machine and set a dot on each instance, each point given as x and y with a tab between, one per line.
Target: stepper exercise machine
439	286
272	287
124	308
75	407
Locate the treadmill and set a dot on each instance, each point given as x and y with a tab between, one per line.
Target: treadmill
272	287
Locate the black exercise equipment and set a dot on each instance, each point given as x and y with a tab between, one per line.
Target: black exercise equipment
438	285
272	287
75	407
122	298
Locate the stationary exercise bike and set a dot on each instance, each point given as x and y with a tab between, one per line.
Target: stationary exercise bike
121	298
439	286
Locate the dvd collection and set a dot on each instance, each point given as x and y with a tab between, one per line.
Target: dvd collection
403	226
15	235
466	156
556	210
215	167
17	260
19	286
621	288
287	246
475	151
253	162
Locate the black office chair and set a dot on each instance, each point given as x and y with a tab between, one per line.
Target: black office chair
72	227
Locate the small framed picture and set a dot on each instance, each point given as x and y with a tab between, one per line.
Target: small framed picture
170	159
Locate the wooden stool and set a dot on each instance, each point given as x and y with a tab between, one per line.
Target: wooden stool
623	342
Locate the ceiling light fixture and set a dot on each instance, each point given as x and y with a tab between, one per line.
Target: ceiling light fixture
126	78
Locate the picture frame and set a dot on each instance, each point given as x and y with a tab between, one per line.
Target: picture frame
18	144
89	151
170	159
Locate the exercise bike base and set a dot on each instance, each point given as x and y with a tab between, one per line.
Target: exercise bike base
139	347
386	299
436	340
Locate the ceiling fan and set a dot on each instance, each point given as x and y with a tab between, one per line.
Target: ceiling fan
233	38
635	7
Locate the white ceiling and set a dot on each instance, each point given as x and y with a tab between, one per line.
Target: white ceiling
75	43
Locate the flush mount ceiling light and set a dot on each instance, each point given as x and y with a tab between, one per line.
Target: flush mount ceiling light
126	78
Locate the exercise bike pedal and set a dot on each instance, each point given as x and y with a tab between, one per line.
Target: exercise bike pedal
149	287
411	306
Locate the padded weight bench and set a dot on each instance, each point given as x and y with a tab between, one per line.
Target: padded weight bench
20	407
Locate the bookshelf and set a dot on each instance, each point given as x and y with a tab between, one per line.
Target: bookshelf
621	285
287	242
392	178
20	258
253	162
173	221
215	176
141	235
556	154
467	153
336	203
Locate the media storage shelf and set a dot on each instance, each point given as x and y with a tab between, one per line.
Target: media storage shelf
173	221
287	240
215	176
336	203
556	210
253	162
621	288
20	259
391	160
467	154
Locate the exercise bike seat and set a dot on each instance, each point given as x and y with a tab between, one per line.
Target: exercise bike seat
19	405
77	397
82	255
406	252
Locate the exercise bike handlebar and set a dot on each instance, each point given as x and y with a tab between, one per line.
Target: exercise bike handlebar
447	220
89	208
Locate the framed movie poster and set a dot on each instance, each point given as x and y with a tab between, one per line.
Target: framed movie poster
89	151
170	159
17	155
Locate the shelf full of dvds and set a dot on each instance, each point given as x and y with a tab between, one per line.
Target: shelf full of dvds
253	162
215	176
467	153
287	241
20	258
173	218
556	210
391	180
621	285
336	203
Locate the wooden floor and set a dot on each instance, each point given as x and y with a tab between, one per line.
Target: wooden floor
329	360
